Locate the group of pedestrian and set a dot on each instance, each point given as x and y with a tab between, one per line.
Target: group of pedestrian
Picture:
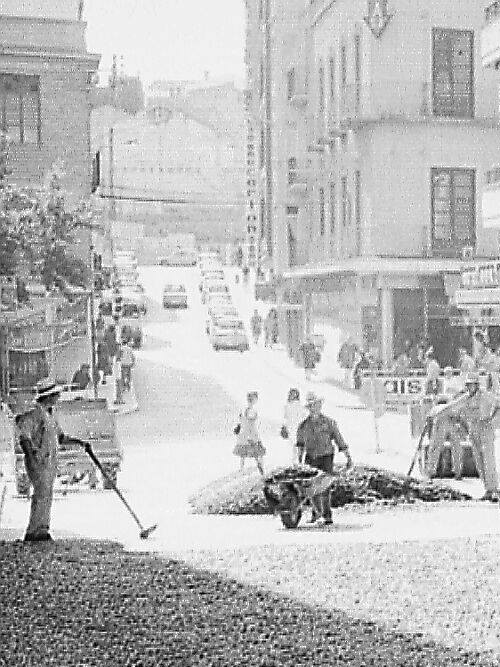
267	325
115	359
312	436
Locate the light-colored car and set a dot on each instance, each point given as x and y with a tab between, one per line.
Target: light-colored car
228	334
211	275
220	310
174	296
133	294
180	257
212	288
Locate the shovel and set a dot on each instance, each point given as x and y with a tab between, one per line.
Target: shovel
144	532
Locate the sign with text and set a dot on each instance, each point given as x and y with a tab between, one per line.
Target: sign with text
486	274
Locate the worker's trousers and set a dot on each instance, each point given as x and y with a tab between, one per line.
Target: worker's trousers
482	439
436	446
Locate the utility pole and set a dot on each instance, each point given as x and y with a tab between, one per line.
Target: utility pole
112	85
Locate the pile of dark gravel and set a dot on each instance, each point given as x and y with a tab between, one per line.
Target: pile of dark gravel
91	604
242	493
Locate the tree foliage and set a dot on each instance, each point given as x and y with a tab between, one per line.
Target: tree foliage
38	229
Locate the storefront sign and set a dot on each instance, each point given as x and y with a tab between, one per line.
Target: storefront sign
481	275
475	321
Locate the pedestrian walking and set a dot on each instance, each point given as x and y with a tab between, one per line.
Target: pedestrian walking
110	339
249	444
256	326
117	374
103	360
294	414
362	364
314	442
246	274
432	370
309	357
346	358
81	379
466	364
127	359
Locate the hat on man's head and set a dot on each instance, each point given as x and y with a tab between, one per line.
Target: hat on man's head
46	388
312	398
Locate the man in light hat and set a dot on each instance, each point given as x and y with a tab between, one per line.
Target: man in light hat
39	437
479	413
314	439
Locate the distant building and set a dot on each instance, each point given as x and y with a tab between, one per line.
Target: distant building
178	167
46	75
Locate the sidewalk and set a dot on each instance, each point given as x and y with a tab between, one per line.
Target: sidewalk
108	391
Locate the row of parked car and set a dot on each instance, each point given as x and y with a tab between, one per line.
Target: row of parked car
125	284
224	326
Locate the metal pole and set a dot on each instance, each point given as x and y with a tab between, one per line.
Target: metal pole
95	378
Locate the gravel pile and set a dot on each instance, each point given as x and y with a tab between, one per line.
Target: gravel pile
242	493
90	604
443	591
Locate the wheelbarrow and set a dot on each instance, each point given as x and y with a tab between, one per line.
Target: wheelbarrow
288	497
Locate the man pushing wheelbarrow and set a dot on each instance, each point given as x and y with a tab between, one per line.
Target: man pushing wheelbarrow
315	437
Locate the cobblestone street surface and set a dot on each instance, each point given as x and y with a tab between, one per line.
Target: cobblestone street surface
87	603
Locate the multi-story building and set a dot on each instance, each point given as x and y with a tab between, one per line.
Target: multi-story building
386	126
46	75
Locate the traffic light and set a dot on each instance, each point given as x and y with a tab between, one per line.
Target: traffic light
117	306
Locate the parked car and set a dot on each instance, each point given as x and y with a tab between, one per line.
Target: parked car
131	296
211	274
228	334
220	311
181	257
212	288
175	296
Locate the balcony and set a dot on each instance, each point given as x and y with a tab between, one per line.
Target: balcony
491	200
397	100
490	37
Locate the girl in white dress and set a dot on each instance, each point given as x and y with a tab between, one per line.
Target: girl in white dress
248	444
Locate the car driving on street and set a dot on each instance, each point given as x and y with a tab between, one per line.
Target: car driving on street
228	334
174	296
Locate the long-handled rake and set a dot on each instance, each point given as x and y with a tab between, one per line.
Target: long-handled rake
145	532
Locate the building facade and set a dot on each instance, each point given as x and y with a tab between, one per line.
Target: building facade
386	129
46	76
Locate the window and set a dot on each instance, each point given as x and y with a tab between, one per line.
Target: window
357	71
20	107
357	194
292	170
453	209
321	88
343	73
290	83
331	69
322	211
345	202
333	207
453	73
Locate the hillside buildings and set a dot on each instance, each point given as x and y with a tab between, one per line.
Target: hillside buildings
46	75
179	166
378	126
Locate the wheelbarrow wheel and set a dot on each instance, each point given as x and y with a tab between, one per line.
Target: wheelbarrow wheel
291	516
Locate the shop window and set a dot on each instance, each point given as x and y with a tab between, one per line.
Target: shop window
20	107
453	209
453	73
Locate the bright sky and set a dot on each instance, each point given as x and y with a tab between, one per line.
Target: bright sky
169	39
